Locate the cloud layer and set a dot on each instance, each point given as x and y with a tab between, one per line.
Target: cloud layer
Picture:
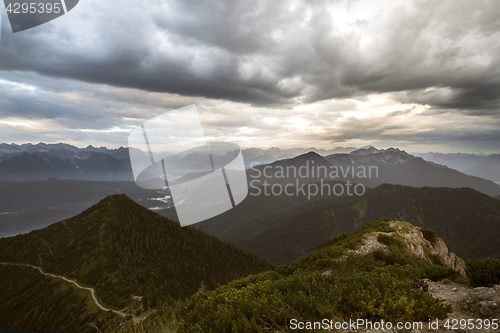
421	73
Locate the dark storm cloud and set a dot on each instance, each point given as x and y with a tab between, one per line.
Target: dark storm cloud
128	53
271	52
78	105
480	99
376	131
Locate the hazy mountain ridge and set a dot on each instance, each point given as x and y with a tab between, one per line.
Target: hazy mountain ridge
265	156
398	167
122	250
306	168
16	149
43	161
65	164
484	166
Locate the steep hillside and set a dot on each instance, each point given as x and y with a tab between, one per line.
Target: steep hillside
468	221
131	256
35	302
257	213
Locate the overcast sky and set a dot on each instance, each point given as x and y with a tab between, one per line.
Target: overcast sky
418	75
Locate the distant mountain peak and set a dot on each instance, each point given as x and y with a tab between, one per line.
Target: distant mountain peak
117	198
121	202
312	154
365	151
309	156
388	152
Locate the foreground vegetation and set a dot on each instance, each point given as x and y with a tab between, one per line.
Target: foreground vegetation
484	273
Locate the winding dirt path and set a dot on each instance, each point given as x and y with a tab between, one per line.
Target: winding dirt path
92	291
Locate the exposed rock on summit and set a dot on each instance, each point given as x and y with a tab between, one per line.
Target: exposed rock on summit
414	241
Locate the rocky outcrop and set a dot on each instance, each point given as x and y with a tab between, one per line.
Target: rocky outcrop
415	242
476	304
450	259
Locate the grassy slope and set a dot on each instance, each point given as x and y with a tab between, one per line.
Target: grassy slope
32	301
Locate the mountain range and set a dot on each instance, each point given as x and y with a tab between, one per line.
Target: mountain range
33	204
262	209
370	167
119	263
44	161
63	161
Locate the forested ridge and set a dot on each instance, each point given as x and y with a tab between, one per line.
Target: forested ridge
122	249
467	220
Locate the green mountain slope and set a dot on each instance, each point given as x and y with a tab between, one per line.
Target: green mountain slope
468	221
122	250
332	283
257	213
35	302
